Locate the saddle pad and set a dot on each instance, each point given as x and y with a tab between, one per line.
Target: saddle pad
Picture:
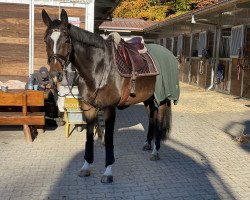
167	82
148	69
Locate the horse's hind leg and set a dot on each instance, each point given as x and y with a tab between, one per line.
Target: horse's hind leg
162	127
152	111
109	115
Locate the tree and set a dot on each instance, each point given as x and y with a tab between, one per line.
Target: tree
143	9
156	10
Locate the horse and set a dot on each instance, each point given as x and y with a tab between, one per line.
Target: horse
102	87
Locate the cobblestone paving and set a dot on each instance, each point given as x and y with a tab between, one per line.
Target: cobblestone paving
200	161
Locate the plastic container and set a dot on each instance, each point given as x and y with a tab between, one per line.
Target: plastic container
30	83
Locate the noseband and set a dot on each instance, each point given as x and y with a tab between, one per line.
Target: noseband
64	62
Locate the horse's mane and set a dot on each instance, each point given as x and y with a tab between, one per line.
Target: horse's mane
86	37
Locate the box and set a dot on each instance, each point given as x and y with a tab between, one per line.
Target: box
76	117
73	109
64	92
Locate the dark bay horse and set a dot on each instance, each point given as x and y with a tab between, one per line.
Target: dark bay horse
101	86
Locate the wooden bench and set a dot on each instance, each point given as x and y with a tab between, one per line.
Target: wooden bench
28	101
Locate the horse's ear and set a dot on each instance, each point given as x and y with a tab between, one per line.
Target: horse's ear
64	17
46	18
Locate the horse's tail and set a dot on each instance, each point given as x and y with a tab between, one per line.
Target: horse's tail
167	121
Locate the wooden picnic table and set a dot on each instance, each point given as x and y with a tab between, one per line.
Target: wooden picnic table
21	107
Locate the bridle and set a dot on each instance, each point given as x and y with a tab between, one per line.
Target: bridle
64	62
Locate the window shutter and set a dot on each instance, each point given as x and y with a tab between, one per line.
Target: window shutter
202	42
237	41
179	45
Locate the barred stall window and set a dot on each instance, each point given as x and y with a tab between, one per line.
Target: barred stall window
169	43
175	46
195	42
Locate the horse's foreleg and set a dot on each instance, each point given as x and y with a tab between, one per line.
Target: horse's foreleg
89	145
109	115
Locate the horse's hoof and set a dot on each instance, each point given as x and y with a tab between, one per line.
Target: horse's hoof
146	147
107	179
84	173
155	157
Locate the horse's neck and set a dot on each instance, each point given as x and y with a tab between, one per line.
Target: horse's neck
83	60
90	63
86	37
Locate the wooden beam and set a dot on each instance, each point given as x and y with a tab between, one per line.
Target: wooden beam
105	3
17	118
243	5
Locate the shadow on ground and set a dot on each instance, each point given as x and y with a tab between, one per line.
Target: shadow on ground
240	133
175	176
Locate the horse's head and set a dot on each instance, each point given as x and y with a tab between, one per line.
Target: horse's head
58	44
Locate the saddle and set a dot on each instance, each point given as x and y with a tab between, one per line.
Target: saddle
132	59
129	51
137	42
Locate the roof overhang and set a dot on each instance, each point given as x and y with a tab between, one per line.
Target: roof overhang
225	13
103	10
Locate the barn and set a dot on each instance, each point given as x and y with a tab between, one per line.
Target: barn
212	45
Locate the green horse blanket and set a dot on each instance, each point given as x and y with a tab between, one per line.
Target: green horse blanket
167	82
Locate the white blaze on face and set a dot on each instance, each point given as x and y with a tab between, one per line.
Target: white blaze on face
55	36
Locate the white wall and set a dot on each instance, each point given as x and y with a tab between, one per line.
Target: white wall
89	25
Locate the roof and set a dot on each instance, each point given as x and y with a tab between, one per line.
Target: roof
126	24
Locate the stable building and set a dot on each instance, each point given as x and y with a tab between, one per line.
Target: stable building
212	45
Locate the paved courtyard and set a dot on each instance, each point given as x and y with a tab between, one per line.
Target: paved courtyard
201	160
